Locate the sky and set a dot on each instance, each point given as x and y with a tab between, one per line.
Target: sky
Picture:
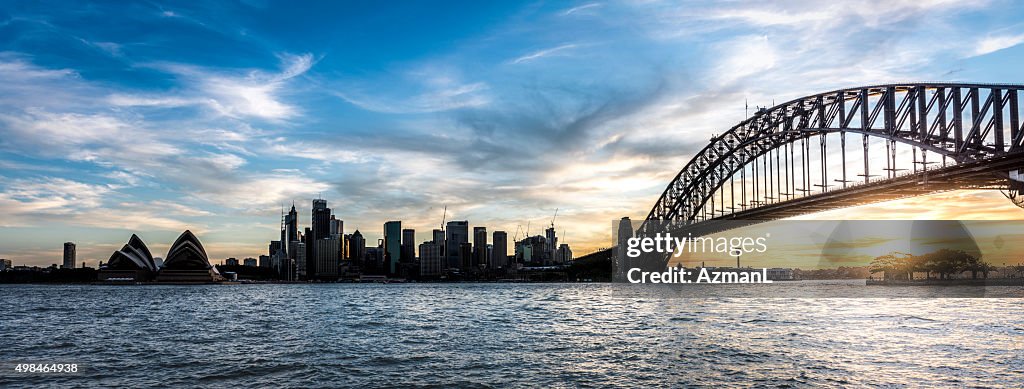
155	117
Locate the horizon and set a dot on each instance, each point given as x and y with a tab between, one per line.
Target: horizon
157	118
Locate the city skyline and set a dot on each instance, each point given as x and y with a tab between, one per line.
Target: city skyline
156	118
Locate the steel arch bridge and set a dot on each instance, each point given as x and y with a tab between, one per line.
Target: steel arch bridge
850	147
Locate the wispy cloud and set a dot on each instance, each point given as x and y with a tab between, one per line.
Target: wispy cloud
252	94
544	53
991	44
424	88
455	97
580	8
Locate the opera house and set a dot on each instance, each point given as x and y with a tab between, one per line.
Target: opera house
186	262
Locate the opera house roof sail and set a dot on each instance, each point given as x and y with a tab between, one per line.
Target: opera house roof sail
133	256
187	253
186	262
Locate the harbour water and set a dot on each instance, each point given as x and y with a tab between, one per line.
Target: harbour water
495	335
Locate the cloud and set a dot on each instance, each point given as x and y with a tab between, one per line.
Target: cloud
580	8
190	156
254	94
991	44
743	57
423	88
544	53
441	99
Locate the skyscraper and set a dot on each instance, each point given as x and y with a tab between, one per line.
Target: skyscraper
392	245
338	232
550	242
69	255
321	222
408	245
291	225
466	255
357	250
307	240
438	237
275	245
621	263
479	246
456	233
563	255
499	254
327	258
430	259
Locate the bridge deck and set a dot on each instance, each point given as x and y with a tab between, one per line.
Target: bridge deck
990	174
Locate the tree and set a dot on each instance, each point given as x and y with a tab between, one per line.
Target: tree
895	266
948	262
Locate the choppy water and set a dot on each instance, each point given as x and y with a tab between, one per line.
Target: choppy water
483	335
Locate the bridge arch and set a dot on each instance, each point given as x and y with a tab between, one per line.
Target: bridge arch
973	131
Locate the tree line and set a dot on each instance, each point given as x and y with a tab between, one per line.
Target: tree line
944	263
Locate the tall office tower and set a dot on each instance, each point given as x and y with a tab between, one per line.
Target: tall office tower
564	254
357	250
456	233
438	237
337	232
346	247
327	258
466	255
551	242
291	225
296	258
321	221
392	245
621	263
408	245
378	258
336	226
479	246
499	254
430	259
275	245
310	256
69	255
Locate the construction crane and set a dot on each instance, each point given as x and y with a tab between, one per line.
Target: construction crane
444	216
553	218
515	238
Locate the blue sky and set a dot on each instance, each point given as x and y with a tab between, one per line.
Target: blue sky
153	117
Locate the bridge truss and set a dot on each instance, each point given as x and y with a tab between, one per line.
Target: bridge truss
850	147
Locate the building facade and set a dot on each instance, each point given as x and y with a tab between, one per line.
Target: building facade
479	246
456	233
327	251
392	245
430	260
499	252
69	255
